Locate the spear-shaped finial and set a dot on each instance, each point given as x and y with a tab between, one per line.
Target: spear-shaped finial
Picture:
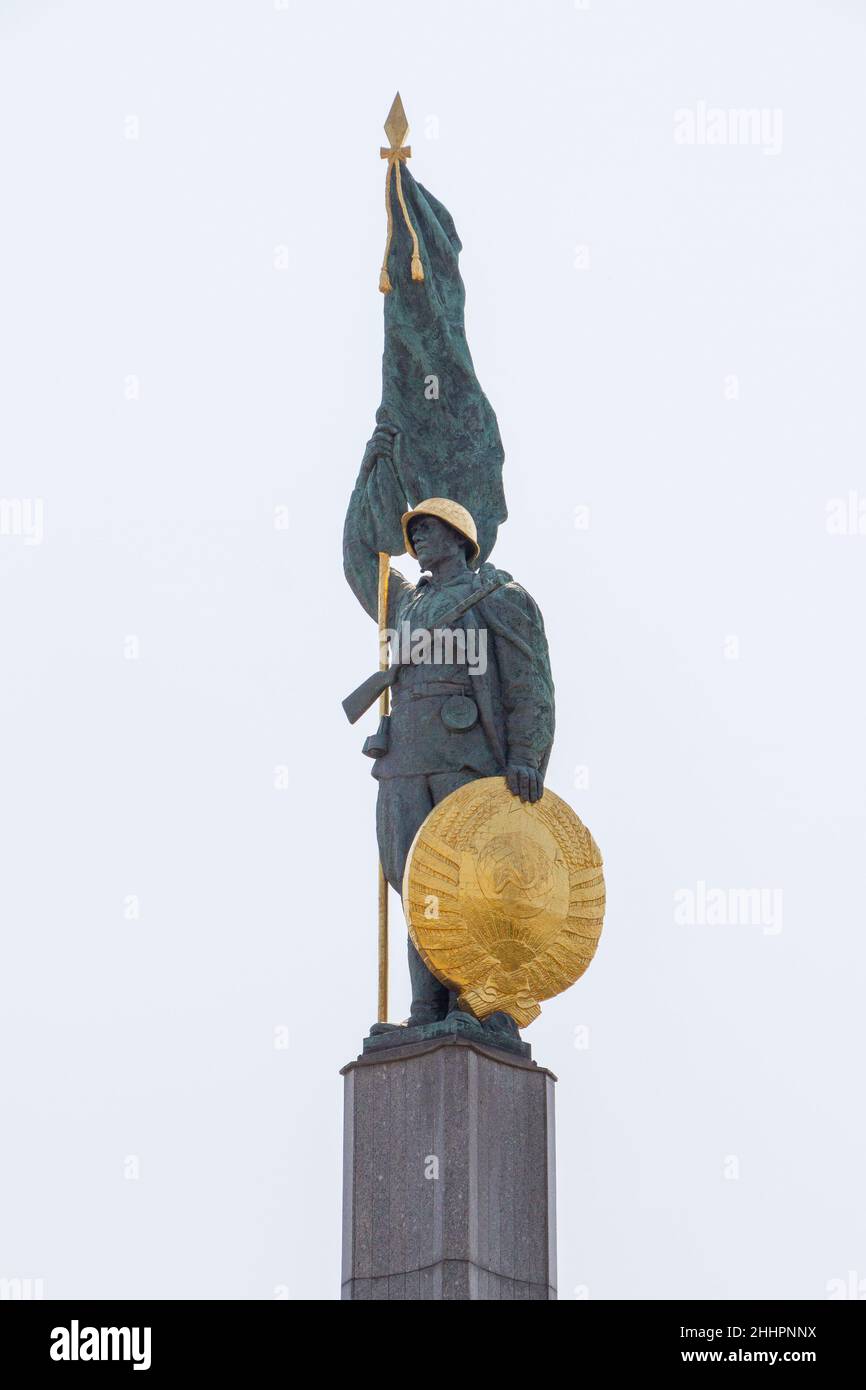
396	129
396	125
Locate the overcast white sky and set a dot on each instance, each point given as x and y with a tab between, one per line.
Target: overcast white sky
671	334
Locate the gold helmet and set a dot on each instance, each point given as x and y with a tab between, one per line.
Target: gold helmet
448	511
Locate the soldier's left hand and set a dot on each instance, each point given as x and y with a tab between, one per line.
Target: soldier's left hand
525	782
379	446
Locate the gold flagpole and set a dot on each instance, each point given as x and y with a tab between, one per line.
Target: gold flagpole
384	707
396	129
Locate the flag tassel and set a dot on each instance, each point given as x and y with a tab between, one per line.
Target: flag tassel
395	156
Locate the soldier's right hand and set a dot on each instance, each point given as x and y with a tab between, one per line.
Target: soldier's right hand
379	446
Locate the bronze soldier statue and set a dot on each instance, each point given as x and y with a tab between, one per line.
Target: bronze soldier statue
478	707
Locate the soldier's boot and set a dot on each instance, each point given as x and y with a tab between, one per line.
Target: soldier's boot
501	1022
455	1012
429	997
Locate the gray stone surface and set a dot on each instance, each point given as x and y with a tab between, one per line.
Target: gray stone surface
485	1227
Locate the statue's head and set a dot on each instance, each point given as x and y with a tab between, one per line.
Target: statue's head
437	529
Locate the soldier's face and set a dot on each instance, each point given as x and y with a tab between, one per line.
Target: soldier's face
434	540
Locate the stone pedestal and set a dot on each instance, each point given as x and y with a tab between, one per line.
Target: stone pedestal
449	1187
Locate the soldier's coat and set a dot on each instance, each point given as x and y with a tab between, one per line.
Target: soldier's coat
514	695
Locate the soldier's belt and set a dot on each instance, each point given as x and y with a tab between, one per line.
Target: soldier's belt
425	690
458	710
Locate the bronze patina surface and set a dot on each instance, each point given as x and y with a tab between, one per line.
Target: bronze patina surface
464	685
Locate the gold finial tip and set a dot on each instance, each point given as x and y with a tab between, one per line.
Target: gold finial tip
396	125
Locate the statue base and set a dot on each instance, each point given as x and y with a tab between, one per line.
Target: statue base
463	1026
449	1187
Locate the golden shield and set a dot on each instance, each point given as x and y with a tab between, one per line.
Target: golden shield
504	900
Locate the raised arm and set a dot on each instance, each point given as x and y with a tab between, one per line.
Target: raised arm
373	524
